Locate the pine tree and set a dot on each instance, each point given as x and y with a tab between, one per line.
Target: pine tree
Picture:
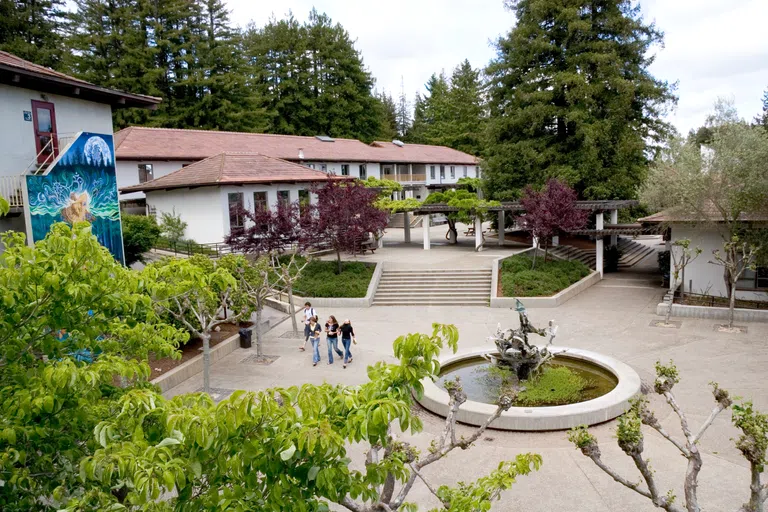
403	114
466	121
571	97
32	30
431	113
762	119
388	130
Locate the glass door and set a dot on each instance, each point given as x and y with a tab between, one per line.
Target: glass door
44	121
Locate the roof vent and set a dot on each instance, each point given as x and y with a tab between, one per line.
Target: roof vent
398	143
323	138
301	153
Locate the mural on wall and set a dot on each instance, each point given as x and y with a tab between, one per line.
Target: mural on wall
80	186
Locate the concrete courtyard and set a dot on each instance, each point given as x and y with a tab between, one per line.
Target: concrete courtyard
613	318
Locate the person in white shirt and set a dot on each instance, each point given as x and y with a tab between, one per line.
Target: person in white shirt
309	312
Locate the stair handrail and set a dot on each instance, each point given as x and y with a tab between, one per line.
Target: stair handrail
54	145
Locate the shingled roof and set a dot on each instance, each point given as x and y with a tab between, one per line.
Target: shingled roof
22	73
673	215
140	143
232	169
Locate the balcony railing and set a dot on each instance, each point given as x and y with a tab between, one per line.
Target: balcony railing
10	189
407	178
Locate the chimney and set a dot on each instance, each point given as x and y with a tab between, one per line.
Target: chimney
301	153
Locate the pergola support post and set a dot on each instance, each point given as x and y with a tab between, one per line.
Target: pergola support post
478	233
599	244
502	228
614	221
407	227
425	226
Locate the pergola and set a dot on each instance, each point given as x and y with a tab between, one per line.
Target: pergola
612	229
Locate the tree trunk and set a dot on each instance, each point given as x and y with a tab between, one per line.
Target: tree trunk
535	252
453	235
259	350
732	305
292	307
682	285
338	261
206	362
669	309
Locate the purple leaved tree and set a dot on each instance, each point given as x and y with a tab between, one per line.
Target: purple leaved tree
346	216
551	212
266	231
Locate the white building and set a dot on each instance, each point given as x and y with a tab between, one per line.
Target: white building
150	153
41	111
701	276
203	193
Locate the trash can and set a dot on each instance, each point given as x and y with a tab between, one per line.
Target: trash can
245	338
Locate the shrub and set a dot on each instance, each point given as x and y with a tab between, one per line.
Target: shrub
319	279
139	235
555	385
519	280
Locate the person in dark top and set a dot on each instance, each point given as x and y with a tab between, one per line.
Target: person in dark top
332	338
347	337
314	338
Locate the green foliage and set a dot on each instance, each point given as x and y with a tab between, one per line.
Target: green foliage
468	203
5	207
753	441
388	187
581	437
172	227
32	30
666	377
65	301
555	385
629	432
571	97
140	233
518	280
478	496
319	279
473	184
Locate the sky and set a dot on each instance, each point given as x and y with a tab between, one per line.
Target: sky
713	48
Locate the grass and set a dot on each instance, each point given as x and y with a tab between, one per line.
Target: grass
320	279
555	385
519	280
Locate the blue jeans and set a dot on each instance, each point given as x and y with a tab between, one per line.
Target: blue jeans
306	332
315	349
333	346
347	343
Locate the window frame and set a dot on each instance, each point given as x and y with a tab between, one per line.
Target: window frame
263	203
239	220
453	172
148	170
363	170
465	171
283	197
432	172
442	172
345	169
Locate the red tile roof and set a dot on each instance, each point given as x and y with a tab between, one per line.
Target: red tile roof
139	143
672	215
232	169
39	77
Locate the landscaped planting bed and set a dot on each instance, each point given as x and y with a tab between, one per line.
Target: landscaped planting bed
518	279
319	279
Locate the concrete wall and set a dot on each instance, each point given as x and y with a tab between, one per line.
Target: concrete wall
201	208
17	144
458	173
372	169
708	278
128	173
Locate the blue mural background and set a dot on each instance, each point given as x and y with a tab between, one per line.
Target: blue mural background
81	185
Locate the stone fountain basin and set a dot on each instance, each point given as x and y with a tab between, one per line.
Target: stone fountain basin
559	417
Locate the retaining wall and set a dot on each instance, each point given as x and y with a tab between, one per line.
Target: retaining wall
713	313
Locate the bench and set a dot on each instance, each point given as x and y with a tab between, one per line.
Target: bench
369	245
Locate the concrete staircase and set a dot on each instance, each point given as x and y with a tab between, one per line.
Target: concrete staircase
632	252
397	221
568	252
434	287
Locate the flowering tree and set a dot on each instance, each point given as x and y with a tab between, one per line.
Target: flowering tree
273	230
346	213
551	212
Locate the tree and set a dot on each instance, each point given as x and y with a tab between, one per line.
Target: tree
346	215
752	443
571	97
389	112
72	319
721	187
290	445
762	119
739	256
194	295
470	208
172	227
5	207
402	114
466	109
140	233
430	114
32	30
680	255
288	272
268	231
550	212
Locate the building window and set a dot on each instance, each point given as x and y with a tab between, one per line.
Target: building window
235	209
345	169
754	279
145	173
283	197
477	172
303	201
442	172
453	171
465	171
324	168
259	201
363	172
311	166
432	171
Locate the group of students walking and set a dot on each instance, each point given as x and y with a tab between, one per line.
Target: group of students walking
313	331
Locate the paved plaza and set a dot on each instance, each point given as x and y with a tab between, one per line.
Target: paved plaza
613	318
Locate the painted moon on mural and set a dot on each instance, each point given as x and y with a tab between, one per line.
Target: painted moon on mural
97	152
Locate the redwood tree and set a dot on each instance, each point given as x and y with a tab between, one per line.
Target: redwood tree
346	214
550	212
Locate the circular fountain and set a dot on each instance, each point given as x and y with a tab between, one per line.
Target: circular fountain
609	383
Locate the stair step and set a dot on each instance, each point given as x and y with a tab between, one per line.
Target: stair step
430	293
447	302
437	273
455	282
